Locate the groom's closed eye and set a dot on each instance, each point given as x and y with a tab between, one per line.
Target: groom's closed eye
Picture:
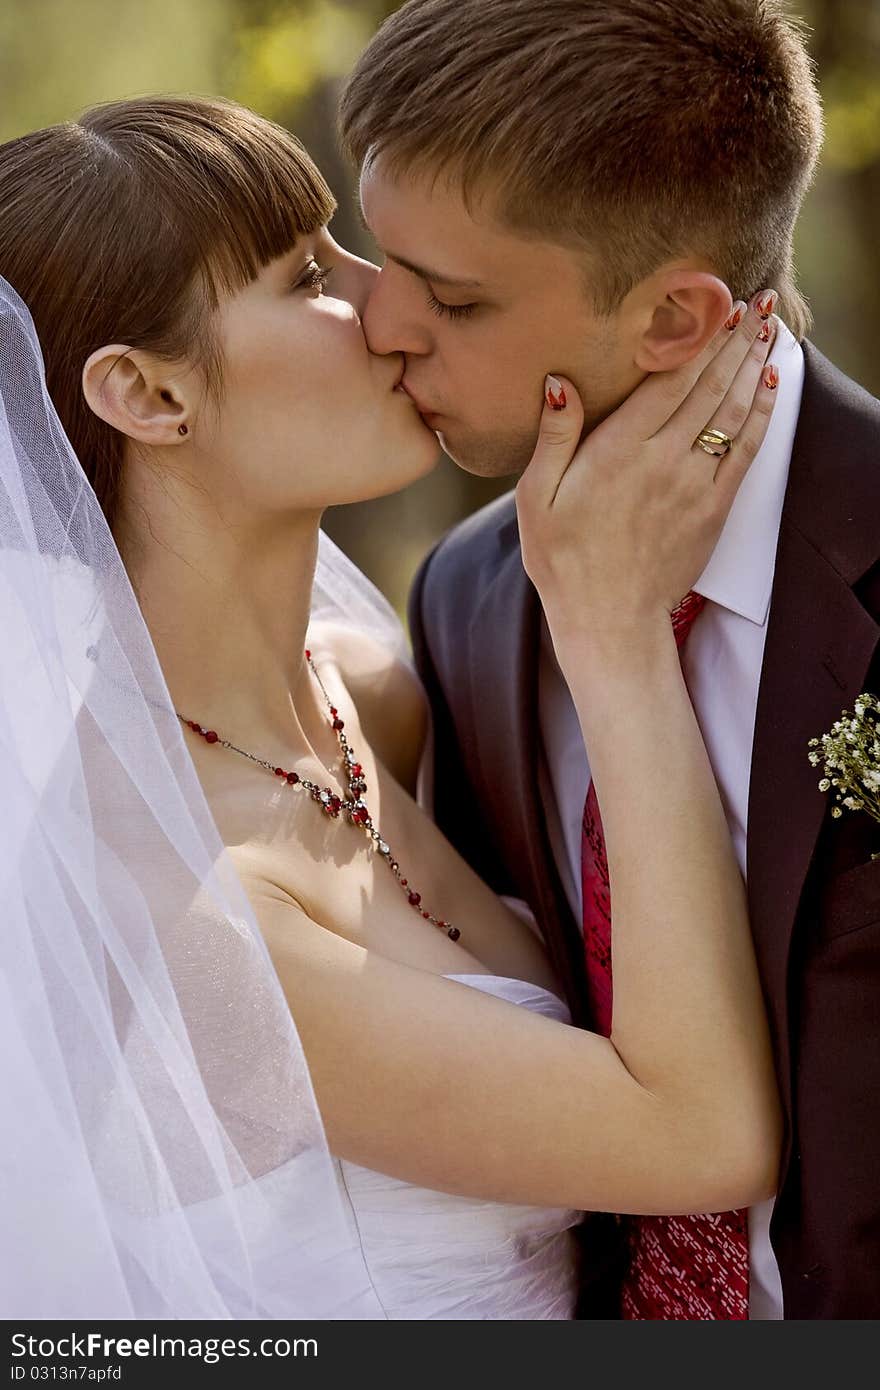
432	278
449	311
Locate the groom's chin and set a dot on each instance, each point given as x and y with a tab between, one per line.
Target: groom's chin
489	456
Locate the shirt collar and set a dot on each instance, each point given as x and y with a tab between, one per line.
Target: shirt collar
739	575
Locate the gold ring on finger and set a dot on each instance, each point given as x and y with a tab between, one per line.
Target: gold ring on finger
714	442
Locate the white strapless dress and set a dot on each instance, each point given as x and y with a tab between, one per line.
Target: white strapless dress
430	1255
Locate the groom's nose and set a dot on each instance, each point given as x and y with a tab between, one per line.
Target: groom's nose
391	317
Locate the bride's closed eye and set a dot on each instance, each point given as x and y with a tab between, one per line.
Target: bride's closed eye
314	277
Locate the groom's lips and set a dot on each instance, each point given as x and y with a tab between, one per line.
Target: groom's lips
425	413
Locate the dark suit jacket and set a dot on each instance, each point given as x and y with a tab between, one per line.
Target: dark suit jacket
814	892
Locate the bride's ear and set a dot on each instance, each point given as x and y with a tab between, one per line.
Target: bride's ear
688	308
137	394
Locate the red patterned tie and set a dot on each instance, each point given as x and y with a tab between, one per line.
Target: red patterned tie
681	1267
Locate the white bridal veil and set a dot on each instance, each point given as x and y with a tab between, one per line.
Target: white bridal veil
162	1154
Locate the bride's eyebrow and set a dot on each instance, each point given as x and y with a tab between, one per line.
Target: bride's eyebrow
434	277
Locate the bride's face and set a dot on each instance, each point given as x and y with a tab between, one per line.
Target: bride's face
308	416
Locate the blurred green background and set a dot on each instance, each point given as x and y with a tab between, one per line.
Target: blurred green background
287	59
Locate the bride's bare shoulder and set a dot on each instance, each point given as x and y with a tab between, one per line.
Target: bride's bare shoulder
389	698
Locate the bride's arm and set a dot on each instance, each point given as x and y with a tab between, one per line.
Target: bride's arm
450	1088
447	1087
625	524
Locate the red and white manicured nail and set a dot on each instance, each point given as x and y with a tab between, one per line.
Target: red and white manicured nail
770	377
765	303
735	319
555	393
766	331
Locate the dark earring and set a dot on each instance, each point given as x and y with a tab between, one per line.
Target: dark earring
182	429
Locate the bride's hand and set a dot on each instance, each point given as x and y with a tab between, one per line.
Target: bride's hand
615	531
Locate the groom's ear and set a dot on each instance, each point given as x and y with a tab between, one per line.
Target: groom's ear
684	309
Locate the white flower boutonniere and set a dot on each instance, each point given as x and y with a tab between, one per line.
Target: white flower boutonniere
850	758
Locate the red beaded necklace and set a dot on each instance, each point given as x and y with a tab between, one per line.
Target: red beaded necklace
352	806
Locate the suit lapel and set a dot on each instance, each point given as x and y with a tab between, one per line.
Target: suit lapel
814	666
504	651
820	642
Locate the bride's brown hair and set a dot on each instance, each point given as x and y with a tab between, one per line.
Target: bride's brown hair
637	130
129	224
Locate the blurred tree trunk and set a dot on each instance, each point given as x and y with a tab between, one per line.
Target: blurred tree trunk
842	214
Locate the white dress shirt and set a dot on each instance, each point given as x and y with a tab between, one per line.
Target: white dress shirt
722	662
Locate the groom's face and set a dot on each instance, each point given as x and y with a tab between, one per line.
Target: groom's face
482	315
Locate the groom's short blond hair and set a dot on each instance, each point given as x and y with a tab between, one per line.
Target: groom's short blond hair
642	130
